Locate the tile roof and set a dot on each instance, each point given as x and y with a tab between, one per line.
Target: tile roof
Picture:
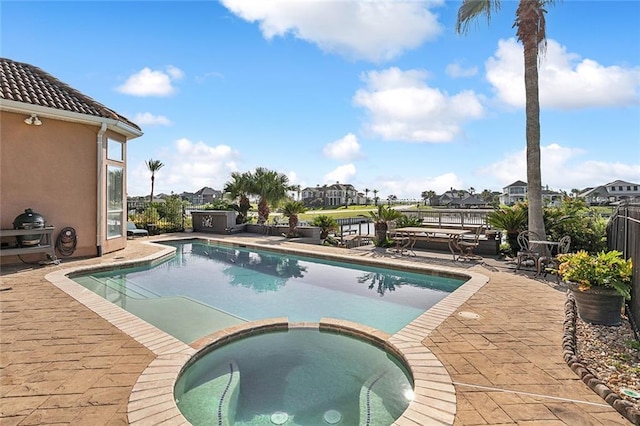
25	83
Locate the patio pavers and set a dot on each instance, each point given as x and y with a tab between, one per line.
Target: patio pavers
62	363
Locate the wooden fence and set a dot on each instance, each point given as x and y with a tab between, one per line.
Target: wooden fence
623	234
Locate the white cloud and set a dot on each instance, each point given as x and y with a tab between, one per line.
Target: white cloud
566	81
188	166
457	70
148	119
342	174
401	106
561	168
148	82
344	149
371	30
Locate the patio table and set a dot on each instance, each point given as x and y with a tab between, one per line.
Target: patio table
452	237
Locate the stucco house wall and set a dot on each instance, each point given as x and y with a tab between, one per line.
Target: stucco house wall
55	170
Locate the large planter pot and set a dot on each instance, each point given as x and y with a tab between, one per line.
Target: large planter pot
598	305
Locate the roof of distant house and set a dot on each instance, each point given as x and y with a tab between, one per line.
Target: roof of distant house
517	183
620	182
28	84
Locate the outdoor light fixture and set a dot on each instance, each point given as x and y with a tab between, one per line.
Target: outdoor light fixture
33	120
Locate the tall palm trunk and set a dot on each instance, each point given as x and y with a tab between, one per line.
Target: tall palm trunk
529	33
293	225
153	178
381	229
263	211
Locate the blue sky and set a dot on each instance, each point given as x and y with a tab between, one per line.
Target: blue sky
380	94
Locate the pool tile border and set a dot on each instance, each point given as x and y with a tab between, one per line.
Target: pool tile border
152	402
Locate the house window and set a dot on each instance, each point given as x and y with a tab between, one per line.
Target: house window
635	187
629	188
115	150
613	188
620	187
115	210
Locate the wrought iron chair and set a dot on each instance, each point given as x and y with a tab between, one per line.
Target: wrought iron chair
526	251
548	264
468	246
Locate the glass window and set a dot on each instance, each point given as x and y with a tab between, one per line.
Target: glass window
114	150
620	188
115	208
628	187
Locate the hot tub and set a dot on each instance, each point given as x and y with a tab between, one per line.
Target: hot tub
299	376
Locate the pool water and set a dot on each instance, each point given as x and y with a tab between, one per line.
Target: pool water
206	287
298	377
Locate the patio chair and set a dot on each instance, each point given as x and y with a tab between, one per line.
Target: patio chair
467	247
525	250
548	264
133	230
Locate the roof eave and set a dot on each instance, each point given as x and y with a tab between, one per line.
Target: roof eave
118	126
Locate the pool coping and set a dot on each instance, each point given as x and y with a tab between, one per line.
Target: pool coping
152	402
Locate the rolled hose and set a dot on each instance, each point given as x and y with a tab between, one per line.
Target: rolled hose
67	241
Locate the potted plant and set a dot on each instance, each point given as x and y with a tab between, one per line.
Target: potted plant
600	283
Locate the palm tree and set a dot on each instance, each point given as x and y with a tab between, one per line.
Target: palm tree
326	224
272	189
380	222
513	220
153	166
427	196
238	189
375	196
292	209
366	196
531	32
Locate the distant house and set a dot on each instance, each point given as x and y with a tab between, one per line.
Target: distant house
207	195
611	192
204	195
514	193
332	195
64	155
517	193
469	202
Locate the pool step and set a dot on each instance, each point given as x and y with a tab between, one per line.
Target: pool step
214	402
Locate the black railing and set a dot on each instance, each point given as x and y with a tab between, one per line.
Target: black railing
158	217
623	234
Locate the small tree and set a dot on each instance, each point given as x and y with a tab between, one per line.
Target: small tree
292	209
326	224
513	220
238	189
153	166
272	189
381	219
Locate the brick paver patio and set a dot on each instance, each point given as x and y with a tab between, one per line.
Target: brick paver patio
61	363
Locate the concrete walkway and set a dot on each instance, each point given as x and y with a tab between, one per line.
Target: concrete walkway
61	363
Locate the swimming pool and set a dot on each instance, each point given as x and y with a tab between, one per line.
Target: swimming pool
209	286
